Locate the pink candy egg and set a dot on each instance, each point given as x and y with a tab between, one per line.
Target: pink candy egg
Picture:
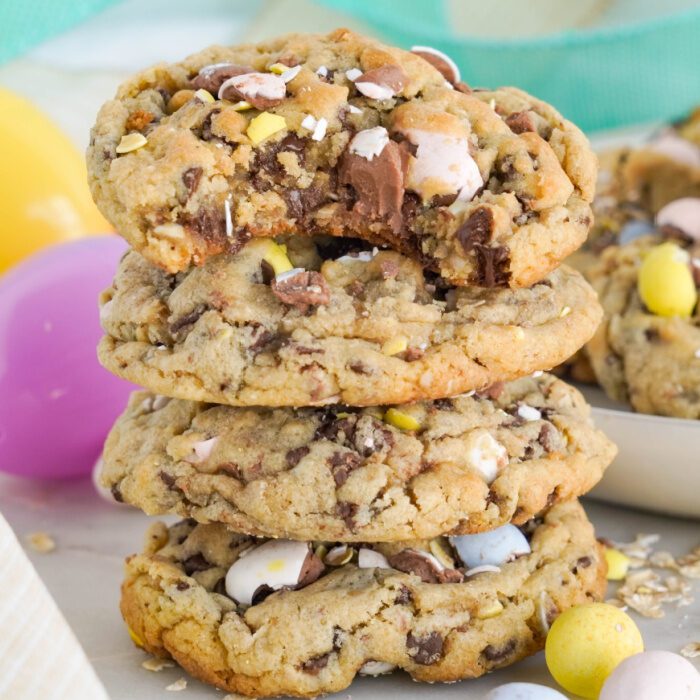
653	675
56	402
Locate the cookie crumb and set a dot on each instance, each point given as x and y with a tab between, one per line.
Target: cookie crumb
690	651
41	542
180	684
155	664
236	696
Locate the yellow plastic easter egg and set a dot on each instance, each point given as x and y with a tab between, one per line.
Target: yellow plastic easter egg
44	196
666	283
586	643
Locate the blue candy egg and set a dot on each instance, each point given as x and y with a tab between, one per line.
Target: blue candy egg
635	229
493	548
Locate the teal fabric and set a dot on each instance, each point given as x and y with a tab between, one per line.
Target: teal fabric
601	78
25	23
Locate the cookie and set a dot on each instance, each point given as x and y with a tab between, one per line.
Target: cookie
648	359
381	474
369	329
341	135
320	615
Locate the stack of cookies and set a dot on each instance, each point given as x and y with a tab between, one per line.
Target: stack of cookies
343	291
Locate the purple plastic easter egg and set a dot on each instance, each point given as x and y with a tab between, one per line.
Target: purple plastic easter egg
56	402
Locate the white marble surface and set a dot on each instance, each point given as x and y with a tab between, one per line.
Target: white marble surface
93	537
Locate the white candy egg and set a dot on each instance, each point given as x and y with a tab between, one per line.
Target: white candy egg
524	691
276	564
683	214
653	675
495	547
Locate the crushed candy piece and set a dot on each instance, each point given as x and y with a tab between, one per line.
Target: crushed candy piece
401	420
265	125
131	142
395	345
179	684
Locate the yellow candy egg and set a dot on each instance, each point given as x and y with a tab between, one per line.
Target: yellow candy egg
618	564
586	643
44	197
666	283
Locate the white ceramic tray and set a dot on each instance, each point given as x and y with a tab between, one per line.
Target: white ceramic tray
658	463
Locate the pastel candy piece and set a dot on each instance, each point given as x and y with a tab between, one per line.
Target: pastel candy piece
653	675
485	454
635	229
683	214
586	643
665	281
369	559
524	691
276	563
677	148
494	548
57	403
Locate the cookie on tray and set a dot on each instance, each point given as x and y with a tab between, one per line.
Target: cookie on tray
466	464
364	329
341	135
647	350
277	617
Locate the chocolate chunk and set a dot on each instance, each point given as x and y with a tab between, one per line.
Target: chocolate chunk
211	78
116	493
477	229
302	290
260	90
342	464
439	63
191	178
266	159
182	585
412	354
196	562
267	271
263	340
547	436
498	654
314	665
378	183
302	201
208	223
425	650
230	469
583	562
492	263
207	133
412	562
370	435
444	404
187	320
520	122
390	76
347	511
138	120
168	479
359	368
311	569
295	456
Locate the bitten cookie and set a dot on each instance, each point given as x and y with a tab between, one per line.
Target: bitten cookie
289	618
457	465
364	329
341	135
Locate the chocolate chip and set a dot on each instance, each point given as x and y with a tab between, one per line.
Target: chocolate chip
304	289
425	650
311	570
391	76
520	122
342	465
413	353
295	456
378	184
652	335
584	562
267	161
412	562
444	404
314	665
187	320
498	654
182	585
116	493
547	436
208	223
168	479
229	469
195	563
359	368
334	247
404	597
207	134
347	511
492	263
191	178
492	392
212	80
302	201
477	229
263	341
